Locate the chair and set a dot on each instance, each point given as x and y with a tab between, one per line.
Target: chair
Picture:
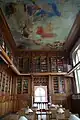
67	113
54	111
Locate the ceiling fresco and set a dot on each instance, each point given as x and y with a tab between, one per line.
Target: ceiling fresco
40	24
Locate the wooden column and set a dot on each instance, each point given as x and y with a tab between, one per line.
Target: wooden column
22	79
32	89
14	94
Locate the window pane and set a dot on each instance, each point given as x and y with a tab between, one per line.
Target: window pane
74	62
77	59
40	99
78	52
78	72
37	99
40	92
76	78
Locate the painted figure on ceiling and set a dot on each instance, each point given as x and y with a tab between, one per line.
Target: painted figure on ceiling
54	12
40	11
55	9
46	32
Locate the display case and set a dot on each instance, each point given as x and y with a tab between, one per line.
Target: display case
25	85
39	63
65	65
26	65
55	85
61	84
22	85
58	84
43	64
19	85
3	83
20	63
9	84
59	64
36	63
53	64
6	84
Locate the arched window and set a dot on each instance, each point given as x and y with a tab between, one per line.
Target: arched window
40	94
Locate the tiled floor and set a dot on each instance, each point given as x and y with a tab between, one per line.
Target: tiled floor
16	117
43	117
11	117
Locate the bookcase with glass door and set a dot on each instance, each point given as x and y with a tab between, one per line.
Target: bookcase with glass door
42	63
61	89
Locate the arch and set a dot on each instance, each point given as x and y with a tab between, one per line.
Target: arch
40	93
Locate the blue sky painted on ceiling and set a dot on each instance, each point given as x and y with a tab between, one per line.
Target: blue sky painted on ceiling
40	24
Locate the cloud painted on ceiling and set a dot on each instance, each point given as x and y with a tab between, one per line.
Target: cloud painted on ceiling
40	24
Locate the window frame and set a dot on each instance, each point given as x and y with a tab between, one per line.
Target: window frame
76	59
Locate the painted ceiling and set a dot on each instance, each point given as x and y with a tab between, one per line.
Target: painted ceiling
40	24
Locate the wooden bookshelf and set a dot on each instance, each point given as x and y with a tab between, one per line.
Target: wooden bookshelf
42	63
59	64
19	85
5	91
53	65
22	85
25	85
36	63
55	85
58	84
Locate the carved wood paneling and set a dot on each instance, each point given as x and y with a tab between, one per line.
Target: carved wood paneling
6	96
40	80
